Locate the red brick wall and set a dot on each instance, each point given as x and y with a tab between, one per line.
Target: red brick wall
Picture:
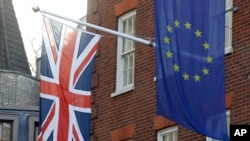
238	65
133	114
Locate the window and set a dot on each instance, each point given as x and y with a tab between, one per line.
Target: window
228	27
228	125
125	54
36	126
168	134
33	127
6	128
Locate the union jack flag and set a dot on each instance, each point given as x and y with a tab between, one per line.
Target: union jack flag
66	66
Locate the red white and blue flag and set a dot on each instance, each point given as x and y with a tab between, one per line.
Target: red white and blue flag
67	61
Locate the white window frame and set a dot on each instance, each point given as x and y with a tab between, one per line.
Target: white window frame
120	89
163	132
228	126
228	26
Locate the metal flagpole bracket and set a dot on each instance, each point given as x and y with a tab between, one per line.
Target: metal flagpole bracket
233	9
36	9
152	42
127	36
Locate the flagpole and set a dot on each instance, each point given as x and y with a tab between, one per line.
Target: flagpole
140	40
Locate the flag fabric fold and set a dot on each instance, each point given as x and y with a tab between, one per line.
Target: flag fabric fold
190	64
67	61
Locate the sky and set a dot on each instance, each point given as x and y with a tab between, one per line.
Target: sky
30	23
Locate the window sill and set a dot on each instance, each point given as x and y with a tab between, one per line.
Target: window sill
123	90
228	50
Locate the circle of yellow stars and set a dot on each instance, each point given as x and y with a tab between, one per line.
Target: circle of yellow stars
198	34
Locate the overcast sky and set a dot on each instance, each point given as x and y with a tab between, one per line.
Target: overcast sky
30	23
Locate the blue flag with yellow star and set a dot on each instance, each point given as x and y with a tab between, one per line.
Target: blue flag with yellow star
190	64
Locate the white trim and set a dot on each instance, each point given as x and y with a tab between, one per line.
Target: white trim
120	89
165	131
123	90
229	25
228	50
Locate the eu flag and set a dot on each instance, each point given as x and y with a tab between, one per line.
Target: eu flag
190	64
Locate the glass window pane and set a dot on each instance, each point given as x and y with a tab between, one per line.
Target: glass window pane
129	45
166	138
128	69
124	45
133	18
125	62
130	76
171	136
130	26
133	45
1	130
131	60
36	131
6	134
124	26
125	80
125	70
175	136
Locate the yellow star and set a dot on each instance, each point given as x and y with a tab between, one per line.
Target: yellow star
176	23
169	28
169	54
205	71
185	76
176	67
196	77
209	59
198	33
187	25
206	45
166	40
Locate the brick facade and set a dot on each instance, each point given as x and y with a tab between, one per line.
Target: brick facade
133	115
238	65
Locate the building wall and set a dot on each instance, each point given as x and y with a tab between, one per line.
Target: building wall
19	104
133	115
238	65
24	122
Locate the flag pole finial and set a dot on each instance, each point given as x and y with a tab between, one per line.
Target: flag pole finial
36	9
